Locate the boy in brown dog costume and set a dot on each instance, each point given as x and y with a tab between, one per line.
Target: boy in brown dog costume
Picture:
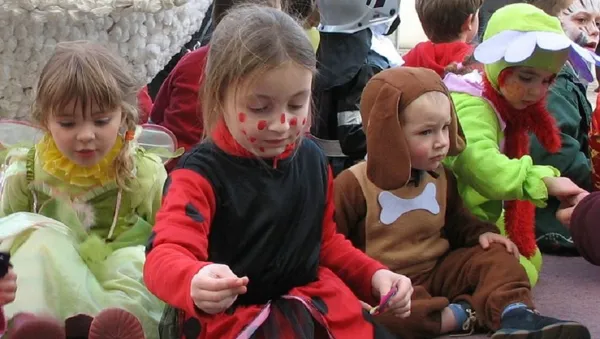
402	208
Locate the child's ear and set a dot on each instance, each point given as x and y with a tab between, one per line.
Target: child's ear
467	26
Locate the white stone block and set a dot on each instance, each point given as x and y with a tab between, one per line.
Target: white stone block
147	33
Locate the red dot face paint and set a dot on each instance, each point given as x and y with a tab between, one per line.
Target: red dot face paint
262	149
252	139
244	132
282	119
293	121
242	117
262	124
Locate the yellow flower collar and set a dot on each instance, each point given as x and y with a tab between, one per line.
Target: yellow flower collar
62	168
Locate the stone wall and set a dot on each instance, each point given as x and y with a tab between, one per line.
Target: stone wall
145	32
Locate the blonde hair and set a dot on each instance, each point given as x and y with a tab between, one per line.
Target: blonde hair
267	39
90	74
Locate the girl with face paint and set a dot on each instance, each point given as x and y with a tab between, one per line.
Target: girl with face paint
249	212
580	22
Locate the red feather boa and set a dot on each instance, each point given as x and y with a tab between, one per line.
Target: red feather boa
519	215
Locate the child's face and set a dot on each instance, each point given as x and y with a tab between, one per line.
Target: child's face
270	111
582	16
85	136
525	86
426	123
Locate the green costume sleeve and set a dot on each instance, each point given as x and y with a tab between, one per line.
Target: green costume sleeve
15	196
482	165
572	117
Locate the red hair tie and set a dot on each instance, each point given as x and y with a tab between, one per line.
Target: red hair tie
129	135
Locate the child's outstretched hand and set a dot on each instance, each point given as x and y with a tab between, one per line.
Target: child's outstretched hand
562	187
383	281
215	288
488	238
8	288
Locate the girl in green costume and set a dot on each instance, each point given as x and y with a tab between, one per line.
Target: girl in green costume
523	50
79	206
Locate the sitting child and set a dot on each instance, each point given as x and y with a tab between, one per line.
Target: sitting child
95	194
450	26
402	208
567	102
523	50
245	245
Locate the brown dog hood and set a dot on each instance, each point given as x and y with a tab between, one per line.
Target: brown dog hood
384	98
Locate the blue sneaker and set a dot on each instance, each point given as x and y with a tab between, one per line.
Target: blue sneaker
522	323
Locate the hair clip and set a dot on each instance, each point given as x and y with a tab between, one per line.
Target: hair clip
129	135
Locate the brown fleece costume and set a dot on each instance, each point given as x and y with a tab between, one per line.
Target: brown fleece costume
416	224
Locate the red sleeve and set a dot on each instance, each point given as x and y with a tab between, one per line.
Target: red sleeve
145	104
179	244
353	266
177	106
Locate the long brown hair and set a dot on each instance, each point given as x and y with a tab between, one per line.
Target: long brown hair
267	39
89	74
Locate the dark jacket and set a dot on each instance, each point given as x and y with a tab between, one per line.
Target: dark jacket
568	104
345	65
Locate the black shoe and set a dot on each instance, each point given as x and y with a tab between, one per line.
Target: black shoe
522	323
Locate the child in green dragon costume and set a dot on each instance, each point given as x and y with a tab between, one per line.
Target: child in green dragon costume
523	50
79	206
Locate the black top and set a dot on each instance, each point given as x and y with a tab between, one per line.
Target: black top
268	221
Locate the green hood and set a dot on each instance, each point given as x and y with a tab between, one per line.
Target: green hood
525	18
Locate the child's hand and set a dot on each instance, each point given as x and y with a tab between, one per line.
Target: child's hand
488	238
215	288
567	206
8	288
562	187
383	281
365	305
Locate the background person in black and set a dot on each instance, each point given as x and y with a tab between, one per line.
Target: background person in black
346	62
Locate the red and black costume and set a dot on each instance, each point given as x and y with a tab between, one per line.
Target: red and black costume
272	223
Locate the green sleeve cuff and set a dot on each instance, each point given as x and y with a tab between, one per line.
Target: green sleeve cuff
534	186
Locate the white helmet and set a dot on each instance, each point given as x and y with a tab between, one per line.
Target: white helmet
351	16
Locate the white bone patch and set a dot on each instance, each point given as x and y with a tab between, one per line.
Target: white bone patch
393	207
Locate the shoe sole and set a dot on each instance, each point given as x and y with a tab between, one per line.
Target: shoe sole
78	327
35	327
567	330
115	323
